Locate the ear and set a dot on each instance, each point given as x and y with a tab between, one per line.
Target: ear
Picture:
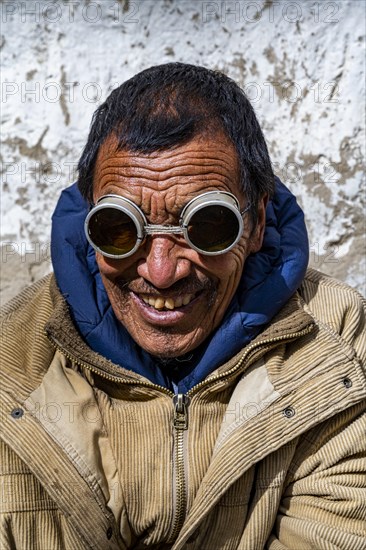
256	239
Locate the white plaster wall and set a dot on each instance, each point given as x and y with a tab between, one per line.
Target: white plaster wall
301	63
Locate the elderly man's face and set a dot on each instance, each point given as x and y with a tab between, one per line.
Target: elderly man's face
196	289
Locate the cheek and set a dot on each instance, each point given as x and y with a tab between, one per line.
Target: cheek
110	269
230	266
228	270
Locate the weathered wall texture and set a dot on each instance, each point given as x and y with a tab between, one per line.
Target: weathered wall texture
301	63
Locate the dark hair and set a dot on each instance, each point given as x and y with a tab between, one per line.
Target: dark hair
167	105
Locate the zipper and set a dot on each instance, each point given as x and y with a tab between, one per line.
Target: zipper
180	424
180	418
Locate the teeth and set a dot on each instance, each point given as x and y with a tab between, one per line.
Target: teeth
167	303
179	301
159	303
186	299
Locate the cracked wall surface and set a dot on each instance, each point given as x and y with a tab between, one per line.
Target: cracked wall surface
301	63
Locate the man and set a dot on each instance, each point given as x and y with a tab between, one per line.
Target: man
180	381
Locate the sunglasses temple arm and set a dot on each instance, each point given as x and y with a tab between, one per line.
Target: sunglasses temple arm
242	212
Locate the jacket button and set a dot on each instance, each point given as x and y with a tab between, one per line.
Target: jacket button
109	533
347	382
289	412
17	413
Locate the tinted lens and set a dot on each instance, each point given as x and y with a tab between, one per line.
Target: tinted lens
213	228
112	231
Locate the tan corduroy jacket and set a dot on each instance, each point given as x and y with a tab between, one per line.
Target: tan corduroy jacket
268	452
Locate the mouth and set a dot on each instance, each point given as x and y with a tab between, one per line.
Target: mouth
168	304
167	311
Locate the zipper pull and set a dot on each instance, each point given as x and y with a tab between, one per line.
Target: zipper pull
180	402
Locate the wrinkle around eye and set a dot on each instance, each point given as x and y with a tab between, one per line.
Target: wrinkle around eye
111	184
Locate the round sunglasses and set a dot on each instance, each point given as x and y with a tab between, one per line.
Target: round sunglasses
211	223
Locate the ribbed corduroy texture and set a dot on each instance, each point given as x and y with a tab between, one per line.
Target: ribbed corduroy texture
278	481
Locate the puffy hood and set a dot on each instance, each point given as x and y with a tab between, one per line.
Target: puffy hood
269	279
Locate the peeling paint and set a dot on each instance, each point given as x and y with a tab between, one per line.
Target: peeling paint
63	102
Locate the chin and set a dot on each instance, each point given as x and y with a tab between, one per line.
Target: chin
170	349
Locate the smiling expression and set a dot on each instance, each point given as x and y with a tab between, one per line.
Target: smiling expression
167	295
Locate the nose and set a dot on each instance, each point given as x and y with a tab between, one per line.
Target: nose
164	263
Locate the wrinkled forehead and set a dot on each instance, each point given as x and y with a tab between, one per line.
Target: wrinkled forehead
203	163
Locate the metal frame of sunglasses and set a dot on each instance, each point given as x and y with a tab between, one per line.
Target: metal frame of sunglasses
143	228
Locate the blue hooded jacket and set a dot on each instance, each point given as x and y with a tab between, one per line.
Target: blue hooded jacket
269	279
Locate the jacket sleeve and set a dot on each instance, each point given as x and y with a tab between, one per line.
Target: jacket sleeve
323	505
